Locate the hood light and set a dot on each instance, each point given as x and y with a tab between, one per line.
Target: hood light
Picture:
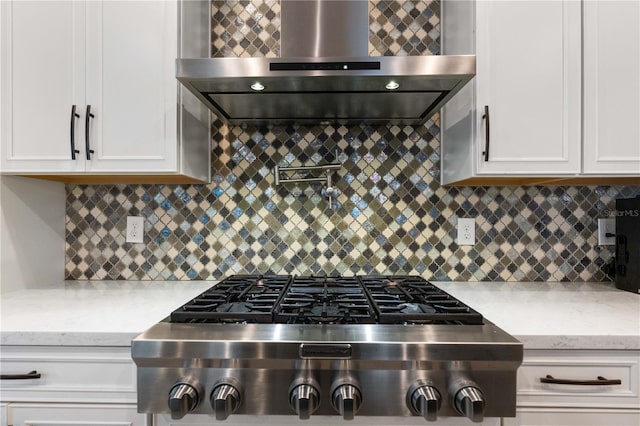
392	85
257	86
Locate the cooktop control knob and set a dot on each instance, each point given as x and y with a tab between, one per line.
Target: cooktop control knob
346	400
469	402
225	398
424	399
304	399
183	398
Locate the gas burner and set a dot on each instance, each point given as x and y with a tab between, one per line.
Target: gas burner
413	300
415	308
325	300
243	307
240	298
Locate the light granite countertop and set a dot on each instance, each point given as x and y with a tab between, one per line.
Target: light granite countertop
557	315
111	313
90	313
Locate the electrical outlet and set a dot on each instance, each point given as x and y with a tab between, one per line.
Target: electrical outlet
466	231
607	231
135	229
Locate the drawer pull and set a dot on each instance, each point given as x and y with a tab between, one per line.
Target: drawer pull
600	381
30	375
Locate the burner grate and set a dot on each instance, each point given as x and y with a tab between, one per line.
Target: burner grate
239	298
325	300
413	300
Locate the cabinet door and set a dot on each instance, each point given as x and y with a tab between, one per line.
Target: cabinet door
3	414
292	420
131	85
573	417
612	87
528	74
42	78
76	414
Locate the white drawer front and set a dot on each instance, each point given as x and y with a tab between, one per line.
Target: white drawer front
292	420
78	374
76	415
579	365
574	417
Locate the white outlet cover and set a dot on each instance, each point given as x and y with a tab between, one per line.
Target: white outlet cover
135	229
606	226
466	231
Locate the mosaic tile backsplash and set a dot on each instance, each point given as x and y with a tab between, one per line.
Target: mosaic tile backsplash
391	215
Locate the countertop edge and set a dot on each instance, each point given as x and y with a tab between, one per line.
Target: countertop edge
124	339
53	338
594	342
614	326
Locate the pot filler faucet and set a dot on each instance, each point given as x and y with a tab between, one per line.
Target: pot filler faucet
307	173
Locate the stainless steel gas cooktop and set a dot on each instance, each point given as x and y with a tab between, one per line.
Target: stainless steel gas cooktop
323	345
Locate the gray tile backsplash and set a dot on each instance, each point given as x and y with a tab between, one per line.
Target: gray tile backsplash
391	215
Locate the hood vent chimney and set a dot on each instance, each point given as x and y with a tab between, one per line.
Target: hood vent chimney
324	28
324	74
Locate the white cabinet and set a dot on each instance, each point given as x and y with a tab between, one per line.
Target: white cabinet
43	58
528	78
612	87
521	120
130	86
578	404
293	420
573	417
76	385
521	114
69	374
76	414
91	90
4	408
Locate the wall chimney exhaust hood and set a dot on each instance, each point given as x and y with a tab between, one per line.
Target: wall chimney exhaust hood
325	75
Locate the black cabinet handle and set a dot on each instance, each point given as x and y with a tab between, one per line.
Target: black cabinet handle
622	255
87	144
600	381
30	375
486	133
74	115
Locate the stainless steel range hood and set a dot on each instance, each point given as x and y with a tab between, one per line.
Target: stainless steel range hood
324	74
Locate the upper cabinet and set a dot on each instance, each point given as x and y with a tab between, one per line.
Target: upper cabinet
528	86
89	94
43	80
611	87
521	120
